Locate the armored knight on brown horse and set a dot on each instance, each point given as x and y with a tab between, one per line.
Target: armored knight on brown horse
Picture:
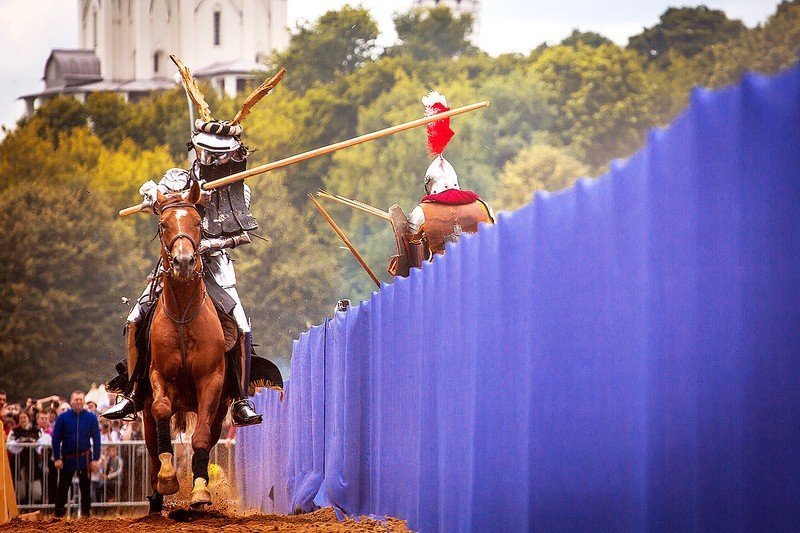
226	220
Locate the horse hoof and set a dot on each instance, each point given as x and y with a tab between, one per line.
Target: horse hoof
200	494
156	503
167	482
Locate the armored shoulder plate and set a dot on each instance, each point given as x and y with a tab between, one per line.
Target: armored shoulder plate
174	180
226	213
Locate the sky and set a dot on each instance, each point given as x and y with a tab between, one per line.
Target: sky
32	28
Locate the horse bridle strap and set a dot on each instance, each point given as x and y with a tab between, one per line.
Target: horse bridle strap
168	247
184	319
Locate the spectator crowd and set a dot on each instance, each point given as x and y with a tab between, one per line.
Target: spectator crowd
39	474
34	468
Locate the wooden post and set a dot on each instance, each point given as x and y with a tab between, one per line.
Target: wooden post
8	496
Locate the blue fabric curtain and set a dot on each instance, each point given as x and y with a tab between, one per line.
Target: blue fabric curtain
623	355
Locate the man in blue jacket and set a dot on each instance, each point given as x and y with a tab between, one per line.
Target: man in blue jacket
76	449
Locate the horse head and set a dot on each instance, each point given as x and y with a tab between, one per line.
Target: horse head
180	230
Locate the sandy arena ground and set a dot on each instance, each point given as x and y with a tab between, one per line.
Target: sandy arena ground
224	515
203	521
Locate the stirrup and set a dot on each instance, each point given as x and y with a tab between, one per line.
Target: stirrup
132	417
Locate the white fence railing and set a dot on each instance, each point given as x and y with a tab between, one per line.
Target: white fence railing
123	479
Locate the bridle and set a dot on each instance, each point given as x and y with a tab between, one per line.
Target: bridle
167	247
185	317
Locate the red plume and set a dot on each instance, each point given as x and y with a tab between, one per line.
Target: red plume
439	132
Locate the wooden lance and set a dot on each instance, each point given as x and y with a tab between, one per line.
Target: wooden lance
275	165
345	240
355	204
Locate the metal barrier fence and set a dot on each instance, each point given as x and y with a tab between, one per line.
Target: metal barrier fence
123	479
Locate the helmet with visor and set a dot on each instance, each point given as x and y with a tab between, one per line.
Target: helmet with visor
213	149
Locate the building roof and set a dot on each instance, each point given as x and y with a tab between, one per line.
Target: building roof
71	67
78	71
233	66
113	86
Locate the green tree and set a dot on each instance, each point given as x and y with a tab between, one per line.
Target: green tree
119	173
672	84
686	31
61	283
519	108
36	153
109	116
56	116
766	49
538	167
335	45
432	33
589	38
603	97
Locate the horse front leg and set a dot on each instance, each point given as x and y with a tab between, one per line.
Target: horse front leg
208	400
167	479
156	499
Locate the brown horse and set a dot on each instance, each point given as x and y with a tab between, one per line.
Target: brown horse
187	346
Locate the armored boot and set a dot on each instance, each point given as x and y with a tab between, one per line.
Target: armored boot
243	410
126	408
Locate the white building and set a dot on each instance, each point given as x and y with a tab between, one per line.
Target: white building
125	45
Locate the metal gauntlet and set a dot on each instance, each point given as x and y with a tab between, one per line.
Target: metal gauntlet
242	238
216	244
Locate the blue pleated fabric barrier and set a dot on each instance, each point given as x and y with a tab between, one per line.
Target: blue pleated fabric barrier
623	355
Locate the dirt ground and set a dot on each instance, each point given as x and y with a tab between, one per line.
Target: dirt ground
225	515
202	521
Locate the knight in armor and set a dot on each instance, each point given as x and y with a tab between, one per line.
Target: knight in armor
445	212
226	221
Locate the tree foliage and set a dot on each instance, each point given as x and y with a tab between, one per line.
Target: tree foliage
588	38
604	96
335	45
687	31
61	304
433	33
765	49
538	167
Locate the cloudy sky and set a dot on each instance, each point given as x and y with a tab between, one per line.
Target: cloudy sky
33	27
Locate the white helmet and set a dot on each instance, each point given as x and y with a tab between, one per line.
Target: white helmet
214	149
440	176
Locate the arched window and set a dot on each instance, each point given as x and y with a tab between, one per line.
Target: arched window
157	61
217	21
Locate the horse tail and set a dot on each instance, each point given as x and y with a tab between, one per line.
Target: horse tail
184	422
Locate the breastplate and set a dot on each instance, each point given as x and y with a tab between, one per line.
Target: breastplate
226	212
445	223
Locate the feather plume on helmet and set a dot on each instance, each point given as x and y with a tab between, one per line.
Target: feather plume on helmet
217	141
440	176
